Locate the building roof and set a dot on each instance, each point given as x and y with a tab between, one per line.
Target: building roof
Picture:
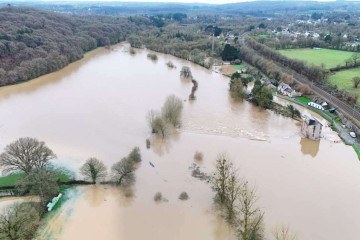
310	120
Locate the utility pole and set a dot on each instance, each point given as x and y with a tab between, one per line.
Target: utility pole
212	48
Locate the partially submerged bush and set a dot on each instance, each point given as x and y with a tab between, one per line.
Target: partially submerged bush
152	56
132	51
158	197
237	89
198	156
193	89
147	143
170	64
135	155
183	196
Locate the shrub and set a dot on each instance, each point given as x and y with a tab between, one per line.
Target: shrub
134	155
158	197
183	196
198	156
185	72
152	56
170	64
132	51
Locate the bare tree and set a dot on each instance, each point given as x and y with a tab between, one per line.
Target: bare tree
122	170
219	178
185	72
171	110
19	222
157	123
25	154
94	169
250	218
233	188
40	182
284	233
356	81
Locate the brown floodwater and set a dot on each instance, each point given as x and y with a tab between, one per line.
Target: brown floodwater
98	106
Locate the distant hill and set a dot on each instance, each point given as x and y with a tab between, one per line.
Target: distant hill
257	8
35	42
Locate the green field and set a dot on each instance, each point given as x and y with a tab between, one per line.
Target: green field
262	36
303	100
11	179
331	58
343	79
239	66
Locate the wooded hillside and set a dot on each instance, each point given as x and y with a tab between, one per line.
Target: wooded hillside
35	42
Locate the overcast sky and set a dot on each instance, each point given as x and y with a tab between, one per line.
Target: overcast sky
185	1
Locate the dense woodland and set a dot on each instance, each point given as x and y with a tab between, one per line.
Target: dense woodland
33	42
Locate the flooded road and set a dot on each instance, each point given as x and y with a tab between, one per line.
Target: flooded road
98	106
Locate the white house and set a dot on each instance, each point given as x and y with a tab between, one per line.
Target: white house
311	128
286	90
315	105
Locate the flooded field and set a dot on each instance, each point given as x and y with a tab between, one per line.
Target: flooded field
98	106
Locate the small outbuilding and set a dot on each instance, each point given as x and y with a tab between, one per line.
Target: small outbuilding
311	128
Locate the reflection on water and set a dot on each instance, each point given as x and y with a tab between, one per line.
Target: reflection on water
309	147
99	107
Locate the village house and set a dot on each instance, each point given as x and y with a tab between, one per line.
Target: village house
286	90
311	128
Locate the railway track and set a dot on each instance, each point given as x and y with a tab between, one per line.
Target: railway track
346	109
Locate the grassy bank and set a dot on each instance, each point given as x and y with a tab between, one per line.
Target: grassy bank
343	79
11	179
331	58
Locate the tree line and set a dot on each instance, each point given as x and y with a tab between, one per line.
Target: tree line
312	72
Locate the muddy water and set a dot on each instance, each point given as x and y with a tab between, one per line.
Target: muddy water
97	107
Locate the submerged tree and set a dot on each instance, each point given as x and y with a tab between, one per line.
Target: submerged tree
220	177
185	72
250	218
171	110
237	200
123	171
94	169
19	222
25	154
284	233
237	89
262	96
157	123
